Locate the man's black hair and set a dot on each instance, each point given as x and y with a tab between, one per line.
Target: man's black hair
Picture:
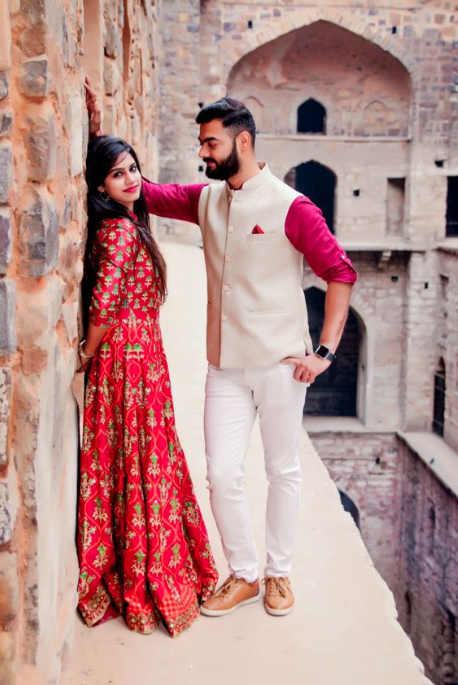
232	113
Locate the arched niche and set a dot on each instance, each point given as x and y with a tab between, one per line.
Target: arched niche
340	391
334	65
318	183
440	388
311	117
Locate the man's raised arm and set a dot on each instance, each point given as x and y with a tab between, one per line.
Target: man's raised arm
172	201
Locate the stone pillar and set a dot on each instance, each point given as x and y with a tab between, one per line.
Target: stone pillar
179	79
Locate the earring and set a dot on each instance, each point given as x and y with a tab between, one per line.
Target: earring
105	197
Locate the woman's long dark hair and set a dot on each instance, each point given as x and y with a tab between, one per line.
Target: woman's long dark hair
103	153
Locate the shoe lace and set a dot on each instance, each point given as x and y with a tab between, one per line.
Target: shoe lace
228	587
276	587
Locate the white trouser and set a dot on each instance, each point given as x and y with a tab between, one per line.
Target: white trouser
233	397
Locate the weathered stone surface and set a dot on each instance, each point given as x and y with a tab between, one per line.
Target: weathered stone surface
8	511
38	233
15	6
5	399
8	587
111	77
40	143
6	166
7	668
4	84
35	77
5	37
68	44
74	114
112	38
7	315
32	39
6	123
5	239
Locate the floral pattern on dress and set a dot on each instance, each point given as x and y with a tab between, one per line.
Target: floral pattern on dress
142	544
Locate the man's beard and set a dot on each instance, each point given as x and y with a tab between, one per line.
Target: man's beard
225	169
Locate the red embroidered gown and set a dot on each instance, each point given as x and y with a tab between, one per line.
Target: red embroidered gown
142	544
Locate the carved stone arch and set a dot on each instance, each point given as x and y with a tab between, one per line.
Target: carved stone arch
347	20
326	60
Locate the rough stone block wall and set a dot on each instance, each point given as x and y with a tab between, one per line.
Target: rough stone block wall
45	50
426	590
447	336
366	467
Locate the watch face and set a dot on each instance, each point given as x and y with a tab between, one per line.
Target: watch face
322	351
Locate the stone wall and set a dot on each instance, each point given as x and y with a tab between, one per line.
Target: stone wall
45	50
366	467
446	338
387	79
426	589
409	524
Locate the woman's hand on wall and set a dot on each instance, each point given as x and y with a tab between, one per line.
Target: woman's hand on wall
94	110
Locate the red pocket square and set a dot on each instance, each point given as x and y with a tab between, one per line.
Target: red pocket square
257	229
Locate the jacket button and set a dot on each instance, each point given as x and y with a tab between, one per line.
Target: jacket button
224	317
228	258
226	288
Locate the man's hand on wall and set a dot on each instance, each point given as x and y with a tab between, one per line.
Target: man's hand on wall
94	111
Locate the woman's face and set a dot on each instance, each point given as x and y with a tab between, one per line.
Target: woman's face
124	182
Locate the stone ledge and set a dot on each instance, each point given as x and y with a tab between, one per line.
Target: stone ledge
344	628
297	137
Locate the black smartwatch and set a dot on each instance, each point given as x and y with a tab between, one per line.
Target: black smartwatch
325	353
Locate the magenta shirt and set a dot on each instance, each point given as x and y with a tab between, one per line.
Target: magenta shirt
305	227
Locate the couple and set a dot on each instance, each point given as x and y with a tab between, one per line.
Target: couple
143	547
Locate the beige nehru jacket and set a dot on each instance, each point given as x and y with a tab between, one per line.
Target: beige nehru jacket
256	307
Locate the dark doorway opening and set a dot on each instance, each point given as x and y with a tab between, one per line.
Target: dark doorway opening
318	183
439	399
311	117
451	227
349	506
334	392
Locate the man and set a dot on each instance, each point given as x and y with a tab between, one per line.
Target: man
256	231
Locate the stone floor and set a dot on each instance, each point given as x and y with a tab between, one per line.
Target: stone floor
343	630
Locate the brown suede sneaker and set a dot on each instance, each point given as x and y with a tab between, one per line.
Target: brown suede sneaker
279	598
233	593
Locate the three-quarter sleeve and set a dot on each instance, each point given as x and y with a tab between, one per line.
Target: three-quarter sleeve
173	201
307	230
117	248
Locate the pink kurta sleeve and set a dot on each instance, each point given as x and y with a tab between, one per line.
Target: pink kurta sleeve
307	230
173	201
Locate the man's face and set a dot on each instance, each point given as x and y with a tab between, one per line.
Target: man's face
219	150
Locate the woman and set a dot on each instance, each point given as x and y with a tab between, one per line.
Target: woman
142	543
